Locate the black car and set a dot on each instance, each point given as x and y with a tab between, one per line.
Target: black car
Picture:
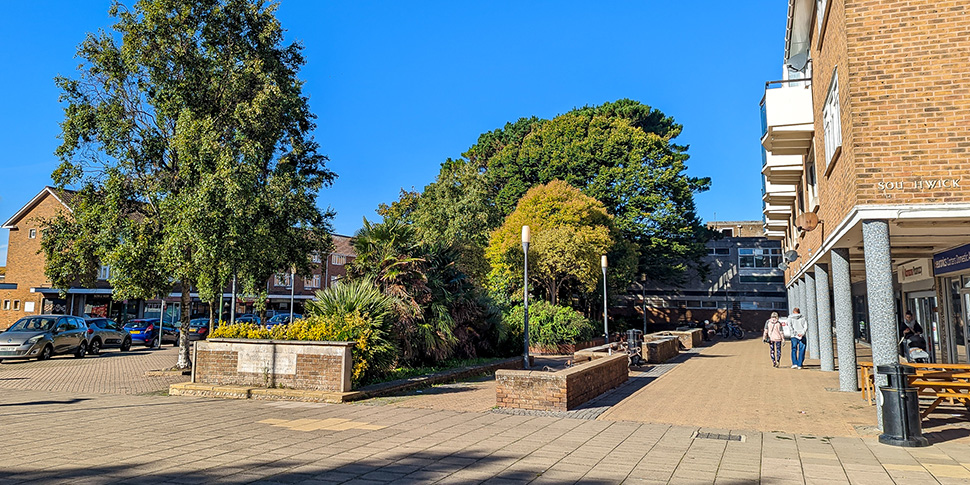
107	334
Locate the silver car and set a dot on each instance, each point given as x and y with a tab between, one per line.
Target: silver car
42	336
104	333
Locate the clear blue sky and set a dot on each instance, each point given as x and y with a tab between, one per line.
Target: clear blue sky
400	86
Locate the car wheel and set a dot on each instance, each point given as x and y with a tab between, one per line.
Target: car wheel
46	353
95	347
81	350
126	345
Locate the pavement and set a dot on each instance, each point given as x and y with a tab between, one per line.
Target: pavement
55	433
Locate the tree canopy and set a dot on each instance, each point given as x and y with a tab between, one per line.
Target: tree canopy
188	138
621	153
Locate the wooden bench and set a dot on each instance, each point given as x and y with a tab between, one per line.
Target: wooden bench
952	390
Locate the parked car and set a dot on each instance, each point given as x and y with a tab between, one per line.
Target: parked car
104	333
198	328
282	319
248	318
42	336
145	331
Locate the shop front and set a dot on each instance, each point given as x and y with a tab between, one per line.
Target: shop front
918	295
952	271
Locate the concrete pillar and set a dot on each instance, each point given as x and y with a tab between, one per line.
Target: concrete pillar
844	333
800	295
791	298
824	306
811	315
882	304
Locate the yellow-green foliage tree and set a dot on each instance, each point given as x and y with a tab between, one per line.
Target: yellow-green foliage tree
570	231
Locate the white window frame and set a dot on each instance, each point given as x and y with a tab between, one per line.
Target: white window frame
338	259
6	304
282	280
32	233
16	305
820	6
309	284
811	181
832	121
104	272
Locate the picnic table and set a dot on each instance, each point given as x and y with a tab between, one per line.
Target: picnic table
941	382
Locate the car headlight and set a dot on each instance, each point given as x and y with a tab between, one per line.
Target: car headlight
33	340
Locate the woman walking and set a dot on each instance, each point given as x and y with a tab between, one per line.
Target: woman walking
774	336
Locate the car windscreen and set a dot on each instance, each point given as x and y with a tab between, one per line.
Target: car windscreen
33	324
199	322
138	324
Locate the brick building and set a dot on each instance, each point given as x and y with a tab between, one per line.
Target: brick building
26	290
866	139
743	283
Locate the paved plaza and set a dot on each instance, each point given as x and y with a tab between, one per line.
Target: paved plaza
119	434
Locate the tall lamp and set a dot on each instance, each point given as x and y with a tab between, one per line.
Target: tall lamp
606	330
526	236
643	299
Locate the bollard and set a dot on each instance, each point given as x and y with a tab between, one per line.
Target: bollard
901	421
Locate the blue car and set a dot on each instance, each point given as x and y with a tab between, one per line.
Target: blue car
282	319
145	332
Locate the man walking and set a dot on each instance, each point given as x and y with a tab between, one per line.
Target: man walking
799	326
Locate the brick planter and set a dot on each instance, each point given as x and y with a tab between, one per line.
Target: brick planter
307	365
688	338
561	390
661	349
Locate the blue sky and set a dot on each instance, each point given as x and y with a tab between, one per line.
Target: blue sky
400	86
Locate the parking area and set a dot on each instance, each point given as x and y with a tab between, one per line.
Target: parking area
113	372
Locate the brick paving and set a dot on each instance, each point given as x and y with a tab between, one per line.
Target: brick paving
111	372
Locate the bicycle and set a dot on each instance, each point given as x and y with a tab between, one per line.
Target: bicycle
732	329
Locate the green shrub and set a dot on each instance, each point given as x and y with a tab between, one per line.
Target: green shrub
550	324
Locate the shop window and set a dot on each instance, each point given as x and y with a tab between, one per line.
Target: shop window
832	120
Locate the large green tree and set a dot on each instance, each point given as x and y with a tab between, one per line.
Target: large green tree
188	139
570	232
622	153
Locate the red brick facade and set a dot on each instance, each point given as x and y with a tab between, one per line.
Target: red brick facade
562	390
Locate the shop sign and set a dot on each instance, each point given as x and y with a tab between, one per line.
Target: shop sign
916	271
956	259
919	185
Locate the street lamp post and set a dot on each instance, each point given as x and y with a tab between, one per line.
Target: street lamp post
292	290
526	236
606	330
643	300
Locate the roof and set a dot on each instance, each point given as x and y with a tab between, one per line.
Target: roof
63	196
342	245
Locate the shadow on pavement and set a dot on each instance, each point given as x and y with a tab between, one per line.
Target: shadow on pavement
419	467
37	403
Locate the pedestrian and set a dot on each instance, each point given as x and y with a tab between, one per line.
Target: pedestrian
910	325
798	329
774	336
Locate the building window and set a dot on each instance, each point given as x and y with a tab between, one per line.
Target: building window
338	259
6	304
312	283
283	280
718	251
727	232
820	14
32	233
832	120
104	273
16	304
759	258
811	181
315	257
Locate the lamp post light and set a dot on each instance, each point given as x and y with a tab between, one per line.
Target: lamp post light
606	330
526	237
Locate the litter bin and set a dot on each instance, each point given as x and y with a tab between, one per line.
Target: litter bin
900	408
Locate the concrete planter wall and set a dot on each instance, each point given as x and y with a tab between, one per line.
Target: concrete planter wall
658	350
561	390
688	338
294	364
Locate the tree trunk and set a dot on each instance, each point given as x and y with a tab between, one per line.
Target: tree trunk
185	362
212	316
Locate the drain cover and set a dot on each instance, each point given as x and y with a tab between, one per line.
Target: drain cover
717	436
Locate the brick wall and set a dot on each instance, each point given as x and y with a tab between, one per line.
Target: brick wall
25	263
321	366
562	390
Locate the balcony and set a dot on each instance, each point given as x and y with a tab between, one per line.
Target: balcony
778	195
779	212
787	122
781	169
775	229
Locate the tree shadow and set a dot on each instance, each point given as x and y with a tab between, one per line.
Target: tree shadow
46	402
402	468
